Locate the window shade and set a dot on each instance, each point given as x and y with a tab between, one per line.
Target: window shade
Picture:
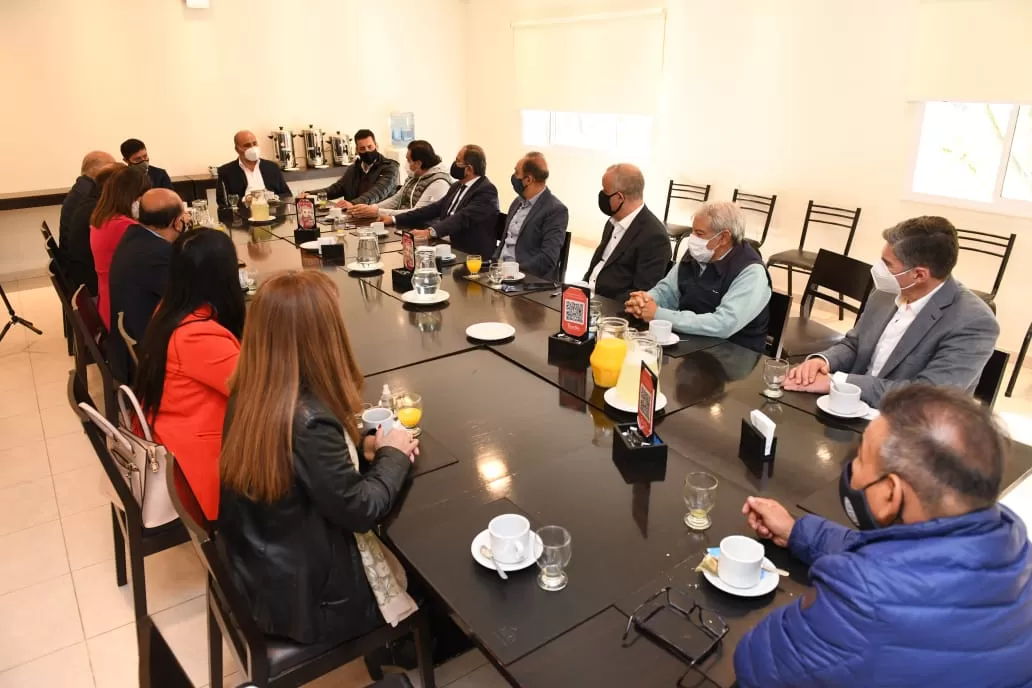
601	63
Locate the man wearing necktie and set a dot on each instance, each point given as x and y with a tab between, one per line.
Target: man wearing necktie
468	213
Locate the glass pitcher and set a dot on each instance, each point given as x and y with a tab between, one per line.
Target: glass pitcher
642	347
610	350
368	250
259	206
426	279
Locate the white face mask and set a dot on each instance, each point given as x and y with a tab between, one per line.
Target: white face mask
697	248
135	212
885	281
252	153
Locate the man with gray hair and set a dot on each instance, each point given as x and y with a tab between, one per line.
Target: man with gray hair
921	325
635	248
719	289
81	192
938	573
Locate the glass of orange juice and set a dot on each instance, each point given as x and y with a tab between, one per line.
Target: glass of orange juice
409	408
473	263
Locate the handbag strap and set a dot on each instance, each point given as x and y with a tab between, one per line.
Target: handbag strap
106	427
126	393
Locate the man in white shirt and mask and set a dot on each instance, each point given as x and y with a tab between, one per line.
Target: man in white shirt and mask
249	172
920	324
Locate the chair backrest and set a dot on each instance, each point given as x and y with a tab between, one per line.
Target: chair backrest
564	259
83	306
90	336
830	215
499	228
685	192
777	310
130	343
48	237
844	276
998	245
764	205
229	606
989	381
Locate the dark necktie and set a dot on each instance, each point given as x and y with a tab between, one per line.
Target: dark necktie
458	197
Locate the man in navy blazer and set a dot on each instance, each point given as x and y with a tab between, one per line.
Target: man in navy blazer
535	227
468	213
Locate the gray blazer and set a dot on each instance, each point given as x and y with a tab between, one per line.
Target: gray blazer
948	344
541	238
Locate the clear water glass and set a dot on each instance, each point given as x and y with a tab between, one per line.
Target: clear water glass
368	251
495	274
233	201
594	314
774	373
321	198
700	496
426	281
556	551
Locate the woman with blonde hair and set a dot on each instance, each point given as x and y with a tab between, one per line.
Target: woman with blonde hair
298	501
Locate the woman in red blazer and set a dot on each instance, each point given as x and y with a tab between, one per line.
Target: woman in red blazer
108	223
188	354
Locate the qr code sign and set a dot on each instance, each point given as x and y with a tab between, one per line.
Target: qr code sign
576	312
645	402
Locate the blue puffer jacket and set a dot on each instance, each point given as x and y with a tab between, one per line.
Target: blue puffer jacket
942	603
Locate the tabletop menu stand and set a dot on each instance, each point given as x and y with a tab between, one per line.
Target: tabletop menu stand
401	278
573	343
637	441
307	224
15	319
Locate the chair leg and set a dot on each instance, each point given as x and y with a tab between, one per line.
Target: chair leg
1018	363
120	576
214	647
425	650
374	666
789	281
841	311
139	581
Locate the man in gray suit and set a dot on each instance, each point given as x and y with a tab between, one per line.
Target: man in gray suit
535	227
921	324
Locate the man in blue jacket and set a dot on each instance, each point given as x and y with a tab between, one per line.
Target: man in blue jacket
936	587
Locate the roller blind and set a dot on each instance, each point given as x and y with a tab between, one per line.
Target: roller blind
972	50
599	63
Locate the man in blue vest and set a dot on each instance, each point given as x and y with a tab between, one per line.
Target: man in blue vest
719	289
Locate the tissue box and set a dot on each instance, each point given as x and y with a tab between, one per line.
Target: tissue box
303	235
401	280
567	350
751	450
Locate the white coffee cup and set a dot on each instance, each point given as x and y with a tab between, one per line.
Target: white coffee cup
443	250
844	398
510	269
661	330
378	417
377	228
510	538
336	212
740	562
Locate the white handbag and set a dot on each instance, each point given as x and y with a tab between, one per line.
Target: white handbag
140	460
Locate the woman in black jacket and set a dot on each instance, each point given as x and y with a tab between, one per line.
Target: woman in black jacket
296	510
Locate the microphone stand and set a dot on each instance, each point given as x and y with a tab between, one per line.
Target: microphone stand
15	318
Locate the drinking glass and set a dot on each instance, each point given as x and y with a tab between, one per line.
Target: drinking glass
495	274
321	198
368	251
340	225
594	314
200	208
473	263
233	201
409	408
556	550
774	372
700	496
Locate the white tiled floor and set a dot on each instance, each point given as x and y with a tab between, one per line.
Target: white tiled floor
63	621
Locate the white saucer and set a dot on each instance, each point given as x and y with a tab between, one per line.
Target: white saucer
768	583
359	267
519	276
824	404
674	339
317	244
613	400
490	331
262	222
483	539
439	296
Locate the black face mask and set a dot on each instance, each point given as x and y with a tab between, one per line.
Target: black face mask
854	502
517	185
369	157
457	171
603	203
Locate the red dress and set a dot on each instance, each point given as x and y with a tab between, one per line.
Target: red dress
202	354
103	241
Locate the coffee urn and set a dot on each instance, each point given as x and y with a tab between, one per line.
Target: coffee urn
283	141
342	148
314	147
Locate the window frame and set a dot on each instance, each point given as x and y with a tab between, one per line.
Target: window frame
998	205
588	150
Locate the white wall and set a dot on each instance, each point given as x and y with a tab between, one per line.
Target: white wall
803	98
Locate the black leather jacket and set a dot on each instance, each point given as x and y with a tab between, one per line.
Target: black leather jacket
296	561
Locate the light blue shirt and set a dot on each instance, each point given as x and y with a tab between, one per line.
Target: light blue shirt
516	226
745	299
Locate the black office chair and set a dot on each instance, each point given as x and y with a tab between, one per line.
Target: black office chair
499	230
58	265
988	387
564	259
850	279
763	205
997	245
1020	361
801	260
269	661
685	192
91	348
777	310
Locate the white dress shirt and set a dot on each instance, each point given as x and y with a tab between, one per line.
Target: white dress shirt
906	314
254	178
459	196
619	229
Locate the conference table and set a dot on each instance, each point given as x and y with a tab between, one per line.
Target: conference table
507	430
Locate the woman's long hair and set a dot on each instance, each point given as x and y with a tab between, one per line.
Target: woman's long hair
294	338
124	186
202	272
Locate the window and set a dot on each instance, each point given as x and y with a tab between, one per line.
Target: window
977	153
630	135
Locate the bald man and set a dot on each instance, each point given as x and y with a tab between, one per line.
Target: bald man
635	248
83	191
249	172
535	227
